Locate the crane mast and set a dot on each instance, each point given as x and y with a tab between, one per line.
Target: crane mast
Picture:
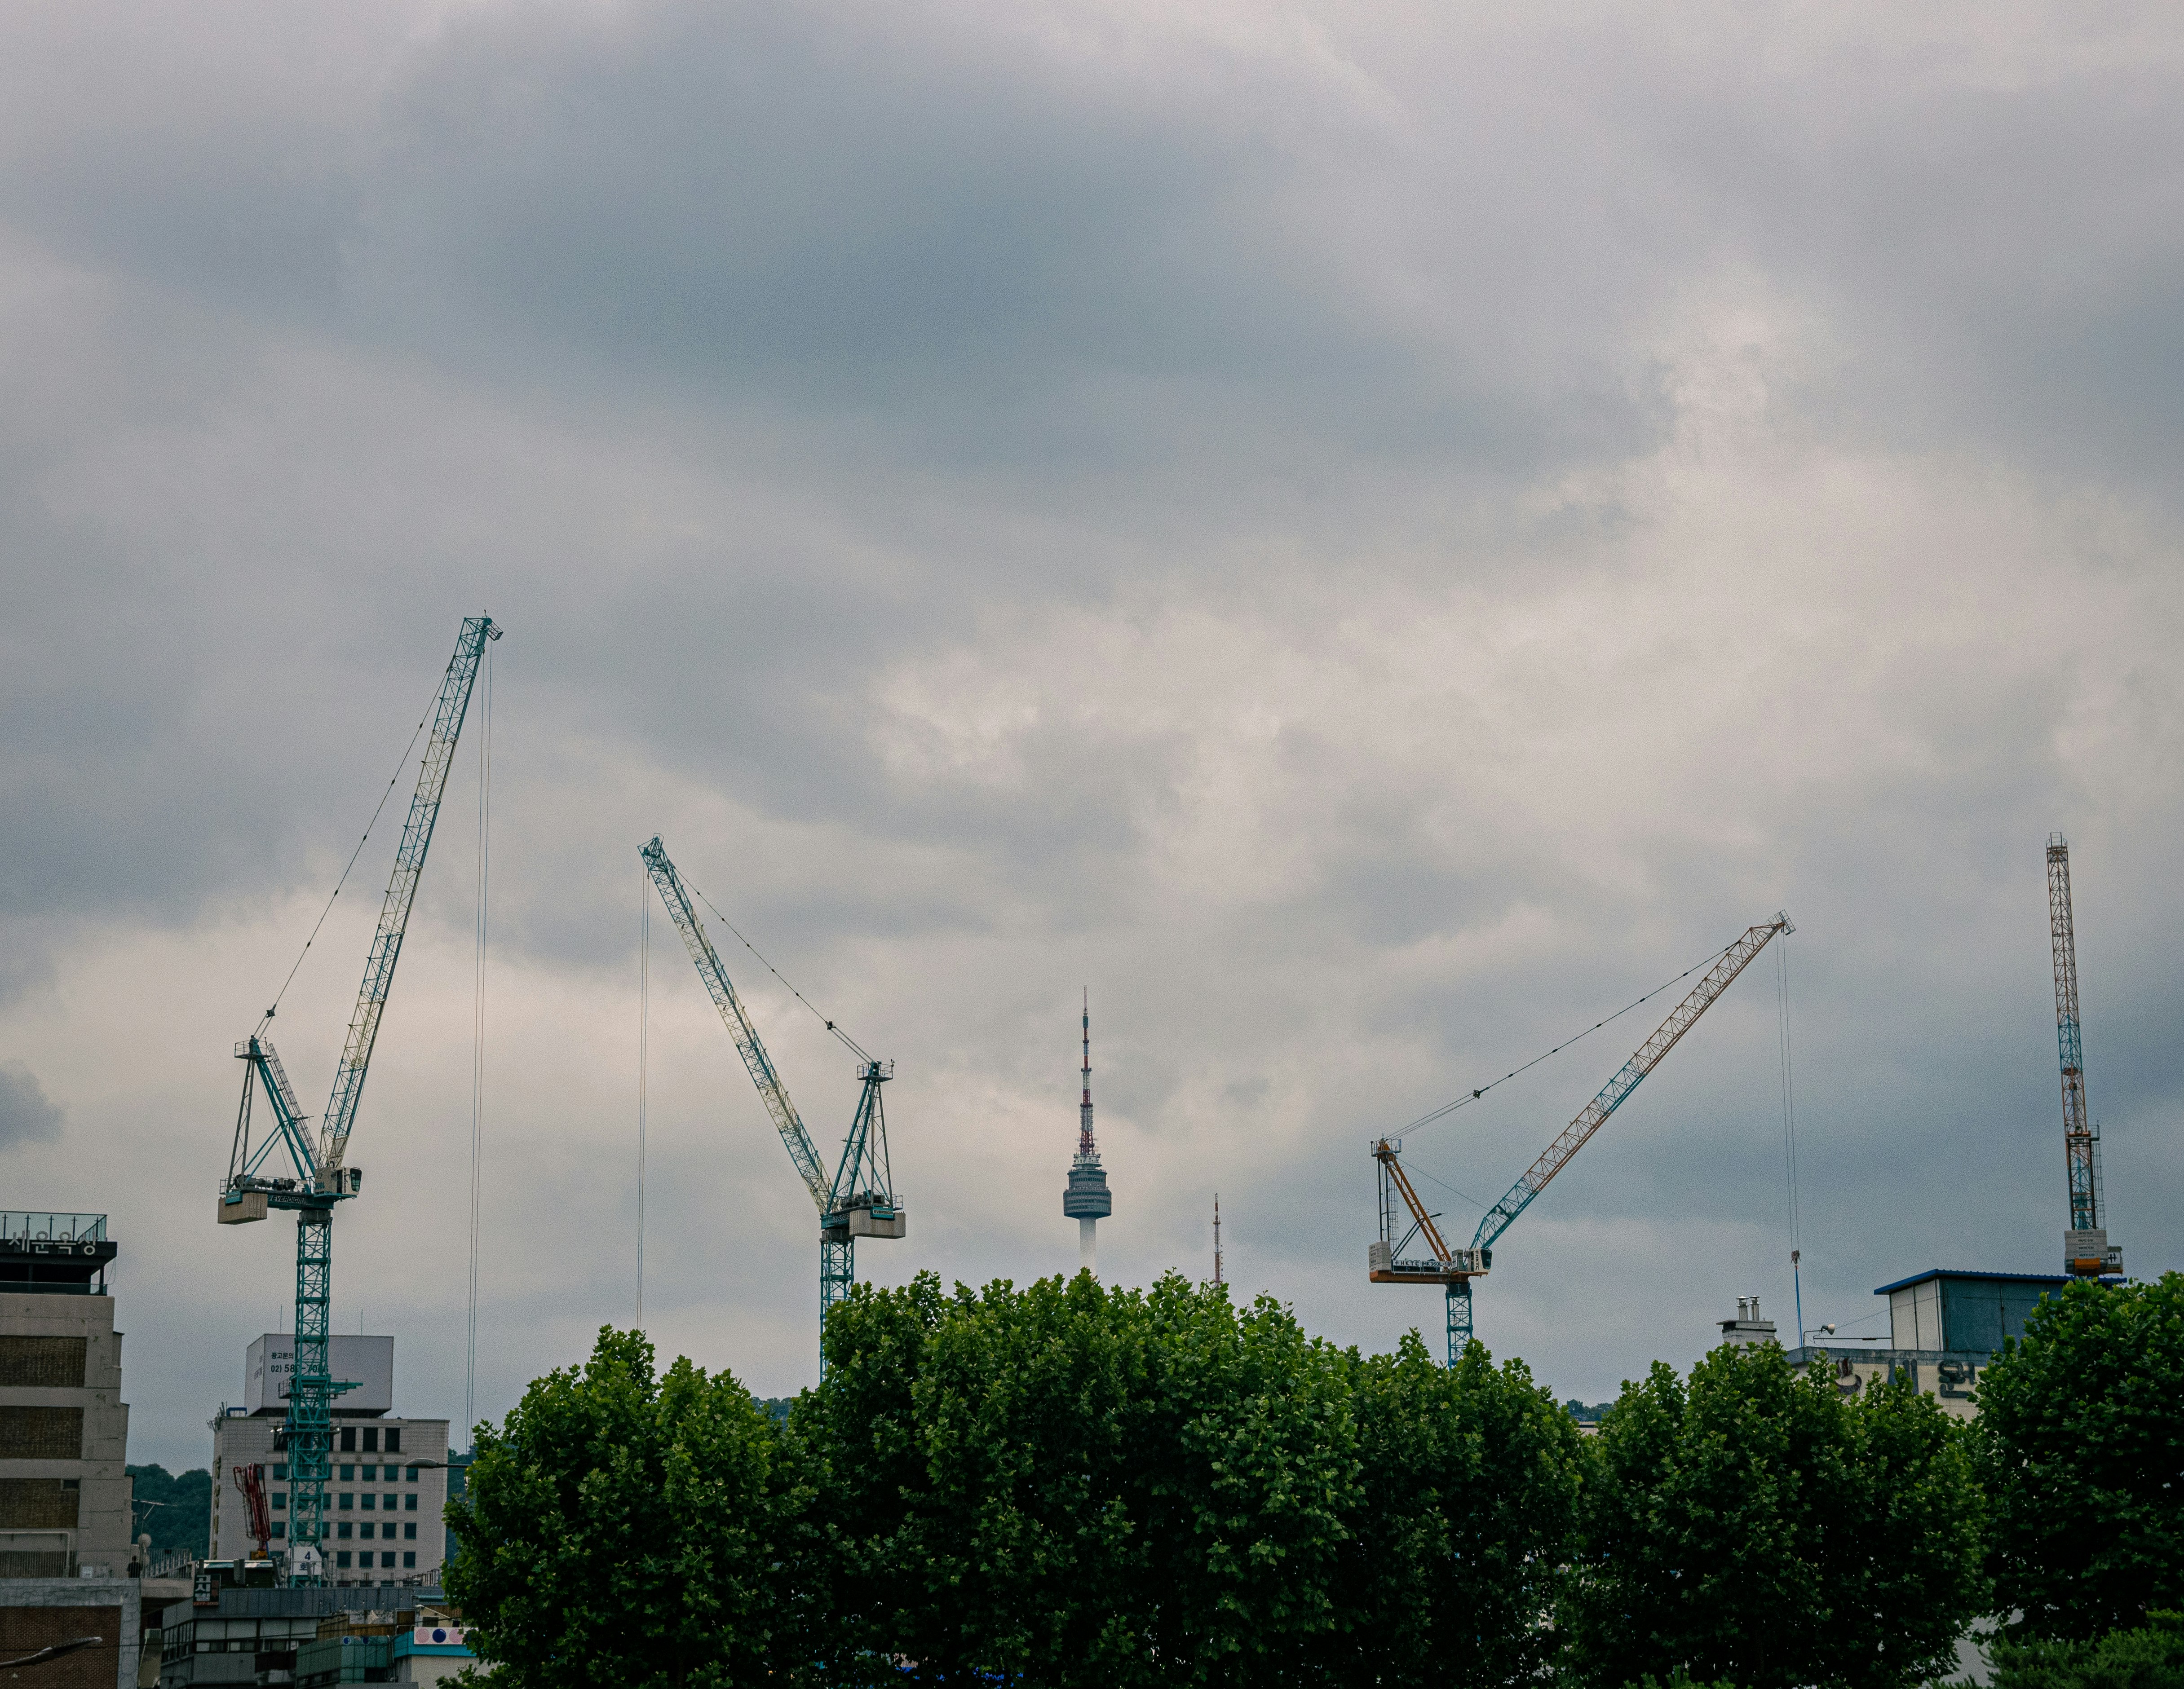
858	1201
322	1178
2085	1249
1455	1269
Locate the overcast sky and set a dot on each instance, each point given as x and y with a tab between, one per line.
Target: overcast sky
1368	535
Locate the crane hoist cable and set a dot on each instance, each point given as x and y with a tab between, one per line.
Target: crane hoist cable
1455	1269
1471	1097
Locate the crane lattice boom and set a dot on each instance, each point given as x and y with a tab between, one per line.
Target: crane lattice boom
1595	1113
448	713
786	1120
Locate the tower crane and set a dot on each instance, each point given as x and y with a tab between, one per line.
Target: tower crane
1455	1269
322	1178
860	1200
2085	1249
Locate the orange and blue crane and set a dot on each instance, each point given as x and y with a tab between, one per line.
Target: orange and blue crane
1454	1268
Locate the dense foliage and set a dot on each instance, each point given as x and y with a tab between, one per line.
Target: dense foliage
1753	1524
2080	1437
2149	1657
623	1528
174	1509
1073	1484
1082	1485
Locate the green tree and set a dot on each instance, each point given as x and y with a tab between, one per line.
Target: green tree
2148	1657
623	1528
1751	1524
174	1508
1071	1484
1471	1476
2081	1440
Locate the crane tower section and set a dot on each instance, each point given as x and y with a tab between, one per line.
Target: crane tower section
2085	1249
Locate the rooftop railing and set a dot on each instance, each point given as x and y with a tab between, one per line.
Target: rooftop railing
53	1228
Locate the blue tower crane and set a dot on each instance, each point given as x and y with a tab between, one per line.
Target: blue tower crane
322	1177
860	1200
1455	1269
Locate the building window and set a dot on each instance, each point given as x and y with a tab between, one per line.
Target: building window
279	1527
386	1561
370	1502
394	1439
370	1439
410	1531
341	1560
390	1501
409	1503
348	1501
280	1474
348	1440
409	1561
280	1499
413	1474
348	1474
343	1529
367	1532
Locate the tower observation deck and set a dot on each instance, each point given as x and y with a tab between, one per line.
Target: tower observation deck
1086	1200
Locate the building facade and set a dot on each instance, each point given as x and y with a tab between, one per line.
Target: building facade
229	1635
68	1554
1944	1328
389	1486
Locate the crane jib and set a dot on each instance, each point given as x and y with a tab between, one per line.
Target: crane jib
448	710
771	1090
1685	1014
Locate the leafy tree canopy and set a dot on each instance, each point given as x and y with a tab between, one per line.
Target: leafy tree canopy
1074	1484
2149	1658
622	1528
174	1508
1752	1525
2080	1439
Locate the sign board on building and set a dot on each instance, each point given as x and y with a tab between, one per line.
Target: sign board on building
369	1362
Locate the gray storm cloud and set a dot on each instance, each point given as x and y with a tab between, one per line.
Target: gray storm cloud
1369	535
27	1114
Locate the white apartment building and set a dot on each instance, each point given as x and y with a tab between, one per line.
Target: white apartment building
388	1491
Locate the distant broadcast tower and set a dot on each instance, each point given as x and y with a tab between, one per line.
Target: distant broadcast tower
1217	1237
1086	1201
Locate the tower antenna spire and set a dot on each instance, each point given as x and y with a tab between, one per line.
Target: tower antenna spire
1086	1200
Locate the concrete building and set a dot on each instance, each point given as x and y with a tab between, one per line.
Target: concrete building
390	1481
67	1549
232	1635
1747	1327
1944	1328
